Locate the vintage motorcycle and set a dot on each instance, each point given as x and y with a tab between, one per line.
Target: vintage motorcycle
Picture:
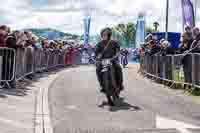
109	82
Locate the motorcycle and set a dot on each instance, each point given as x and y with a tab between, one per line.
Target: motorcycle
108	73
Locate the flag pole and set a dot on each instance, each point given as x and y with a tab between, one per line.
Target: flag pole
167	17
195	11
183	23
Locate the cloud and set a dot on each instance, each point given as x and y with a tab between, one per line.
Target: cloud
67	15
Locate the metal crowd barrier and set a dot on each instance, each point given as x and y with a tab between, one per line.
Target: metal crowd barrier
81	57
174	68
7	64
19	63
30	61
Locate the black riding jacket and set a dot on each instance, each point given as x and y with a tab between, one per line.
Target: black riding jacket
110	52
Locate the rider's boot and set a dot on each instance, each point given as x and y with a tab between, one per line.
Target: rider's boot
101	87
121	88
110	102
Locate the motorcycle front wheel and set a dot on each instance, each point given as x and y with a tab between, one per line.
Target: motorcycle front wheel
107	87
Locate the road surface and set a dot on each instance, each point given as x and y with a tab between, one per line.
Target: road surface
77	106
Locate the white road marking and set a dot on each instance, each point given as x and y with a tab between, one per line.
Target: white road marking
14	123
72	107
165	123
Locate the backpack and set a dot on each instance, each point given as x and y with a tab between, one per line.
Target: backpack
2	41
11	41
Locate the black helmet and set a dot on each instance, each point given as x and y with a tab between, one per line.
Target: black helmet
108	30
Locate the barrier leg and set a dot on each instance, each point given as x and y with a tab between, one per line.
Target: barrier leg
193	73
8	85
26	80
34	76
20	84
173	71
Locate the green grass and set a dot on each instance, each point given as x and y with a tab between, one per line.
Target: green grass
179	75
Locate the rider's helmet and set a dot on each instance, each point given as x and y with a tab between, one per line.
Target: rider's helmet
108	31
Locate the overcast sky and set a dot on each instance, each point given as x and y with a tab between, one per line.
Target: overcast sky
67	15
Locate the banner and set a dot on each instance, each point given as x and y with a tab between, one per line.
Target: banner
87	30
188	13
140	32
52	35
85	57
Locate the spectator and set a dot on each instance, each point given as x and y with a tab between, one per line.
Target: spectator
161	41
51	45
36	43
166	61
69	56
11	40
153	47
195	48
185	45
46	44
60	47
188	31
149	38
29	52
21	39
142	56
195	32
186	42
29	41
124	57
165	48
3	35
9	58
196	43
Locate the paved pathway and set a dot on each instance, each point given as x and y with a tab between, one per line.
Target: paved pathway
77	106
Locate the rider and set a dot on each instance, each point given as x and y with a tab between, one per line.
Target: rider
102	52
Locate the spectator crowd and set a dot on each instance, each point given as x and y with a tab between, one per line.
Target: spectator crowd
25	39
21	41
190	40
190	43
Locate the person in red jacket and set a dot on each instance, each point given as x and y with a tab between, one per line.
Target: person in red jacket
71	50
3	35
69	56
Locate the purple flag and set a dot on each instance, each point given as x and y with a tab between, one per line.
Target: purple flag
188	13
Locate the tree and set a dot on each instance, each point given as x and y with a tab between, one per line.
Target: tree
82	37
155	25
124	33
131	32
149	30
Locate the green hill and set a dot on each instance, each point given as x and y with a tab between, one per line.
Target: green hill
52	33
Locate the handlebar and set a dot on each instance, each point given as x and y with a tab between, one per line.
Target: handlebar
111	59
